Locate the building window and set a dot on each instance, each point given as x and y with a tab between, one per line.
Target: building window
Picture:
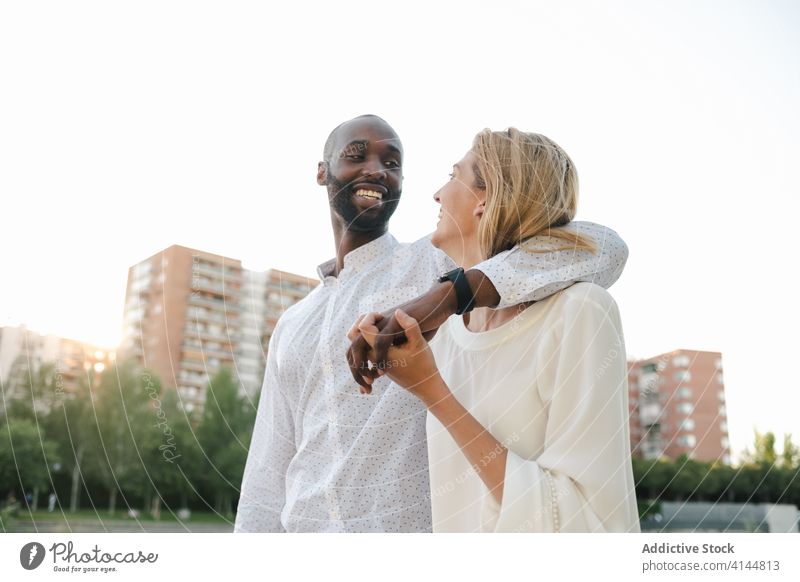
718	364
685	392
724	442
683	376
722	411
142	269
685	407
721	395
681	361
719	378
139	284
723	426
687	440
687	424
135	314
648	383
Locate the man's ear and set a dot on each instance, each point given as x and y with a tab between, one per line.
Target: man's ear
322	173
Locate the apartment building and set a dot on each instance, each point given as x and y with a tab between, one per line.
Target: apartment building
677	406
189	313
24	351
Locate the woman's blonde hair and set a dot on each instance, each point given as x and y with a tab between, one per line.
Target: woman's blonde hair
531	187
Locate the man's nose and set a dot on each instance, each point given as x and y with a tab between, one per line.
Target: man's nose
375	169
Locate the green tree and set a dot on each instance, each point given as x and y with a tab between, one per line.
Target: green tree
224	437
71	423
170	459
123	421
790	457
33	391
724	475
26	456
763	452
687	478
32	397
712	482
651	477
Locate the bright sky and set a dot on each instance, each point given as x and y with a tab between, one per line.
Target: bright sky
128	127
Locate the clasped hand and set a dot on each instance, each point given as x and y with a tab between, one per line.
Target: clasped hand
368	360
410	364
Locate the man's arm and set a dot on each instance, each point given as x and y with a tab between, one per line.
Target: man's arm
519	275
272	447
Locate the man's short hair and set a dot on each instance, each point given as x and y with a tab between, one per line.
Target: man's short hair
327	151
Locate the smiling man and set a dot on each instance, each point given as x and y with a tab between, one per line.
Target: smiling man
325	457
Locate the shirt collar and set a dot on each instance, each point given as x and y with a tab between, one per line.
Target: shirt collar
357	259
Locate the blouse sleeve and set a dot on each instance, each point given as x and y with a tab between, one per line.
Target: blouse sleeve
582	481
532	272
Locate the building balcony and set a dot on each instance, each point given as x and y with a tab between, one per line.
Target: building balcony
649	414
220	306
225	357
216	288
200	381
651	450
204	315
193	365
223	336
212	358
228	274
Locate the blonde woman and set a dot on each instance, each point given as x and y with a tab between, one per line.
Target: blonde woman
527	406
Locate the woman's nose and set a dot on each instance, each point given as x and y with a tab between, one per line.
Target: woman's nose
436	196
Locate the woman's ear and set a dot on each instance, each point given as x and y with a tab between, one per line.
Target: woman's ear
479	210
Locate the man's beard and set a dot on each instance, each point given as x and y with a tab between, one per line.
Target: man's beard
355	219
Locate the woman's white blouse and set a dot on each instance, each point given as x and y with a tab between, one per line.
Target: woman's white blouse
551	386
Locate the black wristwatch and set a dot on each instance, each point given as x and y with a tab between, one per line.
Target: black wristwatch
464	296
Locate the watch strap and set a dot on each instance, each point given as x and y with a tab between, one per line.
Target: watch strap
464	296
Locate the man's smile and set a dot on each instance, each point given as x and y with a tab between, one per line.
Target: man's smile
371	194
369	189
